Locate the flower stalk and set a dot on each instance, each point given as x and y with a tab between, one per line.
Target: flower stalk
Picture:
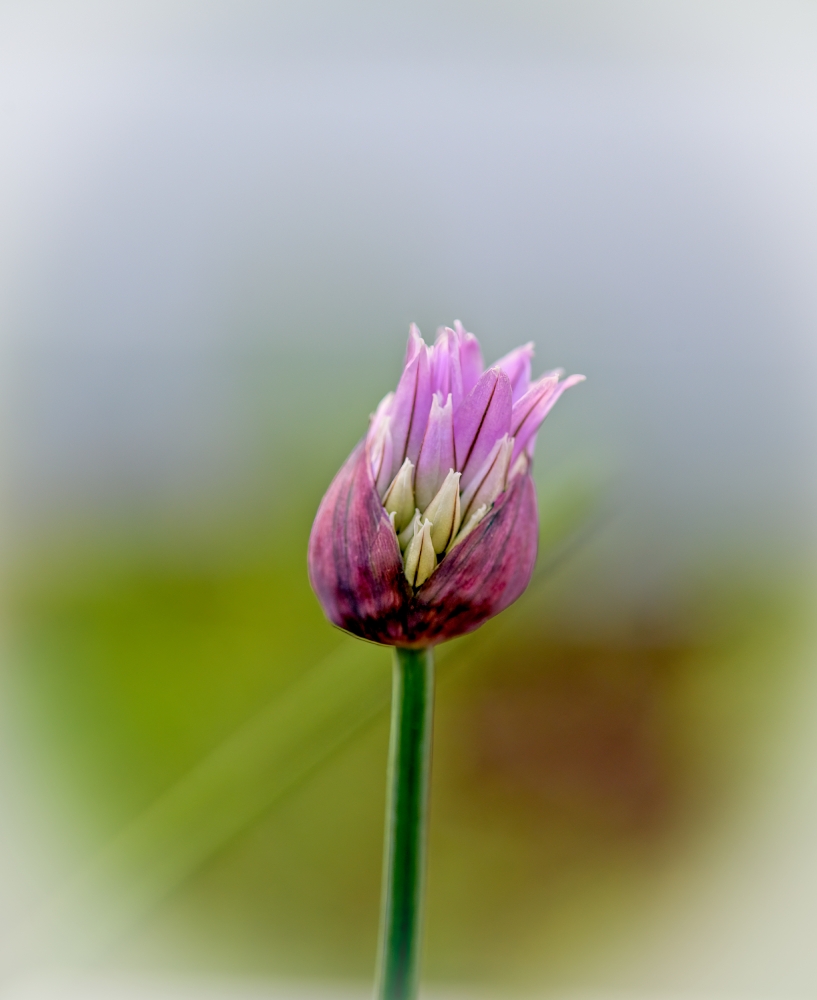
404	859
429	529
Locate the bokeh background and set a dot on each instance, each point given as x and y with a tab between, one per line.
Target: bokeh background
216	222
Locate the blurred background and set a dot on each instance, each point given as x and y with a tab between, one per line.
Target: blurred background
217	221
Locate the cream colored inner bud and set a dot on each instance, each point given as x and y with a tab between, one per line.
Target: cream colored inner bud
399	498
407	534
444	512
473	521
425	536
421	560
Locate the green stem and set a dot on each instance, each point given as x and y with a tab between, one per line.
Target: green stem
401	915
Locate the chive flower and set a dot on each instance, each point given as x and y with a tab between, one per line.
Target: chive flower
431	526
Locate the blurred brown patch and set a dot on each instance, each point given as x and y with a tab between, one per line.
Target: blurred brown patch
585	731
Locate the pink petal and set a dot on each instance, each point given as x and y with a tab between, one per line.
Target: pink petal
444	359
482	418
534	406
383	410
490	479
410	409
437	453
415	342
379	444
354	560
439	363
516	366
379	448
471	363
482	575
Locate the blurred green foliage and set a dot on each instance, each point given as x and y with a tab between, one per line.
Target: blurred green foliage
219	753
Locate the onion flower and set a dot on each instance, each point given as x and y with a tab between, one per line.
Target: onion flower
431	526
429	529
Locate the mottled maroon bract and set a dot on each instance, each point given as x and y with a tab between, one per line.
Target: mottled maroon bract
356	570
354	559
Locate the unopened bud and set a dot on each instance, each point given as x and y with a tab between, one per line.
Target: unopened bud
388	573
420	560
444	512
399	498
407	534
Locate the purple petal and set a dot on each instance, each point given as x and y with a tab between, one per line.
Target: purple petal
410	409
534	406
439	363
437	453
354	559
379	448
379	444
482	418
516	366
444	360
415	342
383	410
490	479
471	363
482	575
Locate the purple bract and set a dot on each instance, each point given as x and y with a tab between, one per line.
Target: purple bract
430	527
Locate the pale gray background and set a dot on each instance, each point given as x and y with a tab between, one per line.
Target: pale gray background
218	219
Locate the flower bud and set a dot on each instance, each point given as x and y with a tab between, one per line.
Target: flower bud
453	541
399	498
420	560
407	533
444	512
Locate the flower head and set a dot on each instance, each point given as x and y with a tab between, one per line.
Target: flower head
430	527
